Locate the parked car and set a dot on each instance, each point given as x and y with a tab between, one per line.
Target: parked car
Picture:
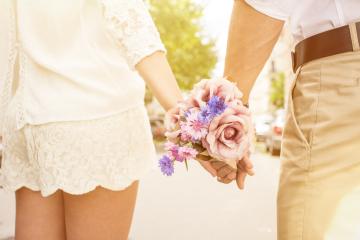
262	126
274	135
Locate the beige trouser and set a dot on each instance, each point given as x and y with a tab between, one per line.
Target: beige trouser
319	191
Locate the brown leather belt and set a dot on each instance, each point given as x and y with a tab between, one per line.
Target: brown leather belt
324	44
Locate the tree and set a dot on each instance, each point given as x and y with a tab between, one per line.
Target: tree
277	90
191	55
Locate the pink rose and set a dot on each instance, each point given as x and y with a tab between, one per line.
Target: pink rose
229	136
206	89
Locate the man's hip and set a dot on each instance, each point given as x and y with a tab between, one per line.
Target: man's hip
320	176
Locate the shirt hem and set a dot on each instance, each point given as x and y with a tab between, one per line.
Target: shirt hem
264	9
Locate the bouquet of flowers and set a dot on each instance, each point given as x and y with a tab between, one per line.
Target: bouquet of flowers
212	123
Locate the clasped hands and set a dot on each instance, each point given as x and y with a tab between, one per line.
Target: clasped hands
226	174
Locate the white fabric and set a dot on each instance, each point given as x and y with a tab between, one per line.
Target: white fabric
75	57
310	17
77	156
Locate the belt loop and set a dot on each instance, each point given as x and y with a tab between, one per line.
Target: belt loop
354	37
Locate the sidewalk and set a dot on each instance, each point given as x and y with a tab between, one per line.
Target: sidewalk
191	205
7	215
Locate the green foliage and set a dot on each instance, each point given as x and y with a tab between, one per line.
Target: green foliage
191	55
277	90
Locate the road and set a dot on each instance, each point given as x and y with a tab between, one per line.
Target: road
193	206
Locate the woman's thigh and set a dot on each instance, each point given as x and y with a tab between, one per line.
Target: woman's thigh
39	217
100	214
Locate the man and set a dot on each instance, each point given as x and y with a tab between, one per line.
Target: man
319	190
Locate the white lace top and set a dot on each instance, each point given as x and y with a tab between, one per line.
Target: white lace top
73	59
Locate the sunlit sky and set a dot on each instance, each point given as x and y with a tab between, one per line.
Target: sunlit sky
216	20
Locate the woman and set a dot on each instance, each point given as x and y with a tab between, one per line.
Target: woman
75	130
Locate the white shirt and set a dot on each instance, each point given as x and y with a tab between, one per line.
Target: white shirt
76	57
310	17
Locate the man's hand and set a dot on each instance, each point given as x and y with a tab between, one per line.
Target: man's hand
221	170
245	167
207	166
226	174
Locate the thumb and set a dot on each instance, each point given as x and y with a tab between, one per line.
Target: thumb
240	179
247	165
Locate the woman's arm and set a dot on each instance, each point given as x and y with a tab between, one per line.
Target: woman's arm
130	23
156	72
252	36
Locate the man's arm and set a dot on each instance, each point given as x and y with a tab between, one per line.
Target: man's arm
252	36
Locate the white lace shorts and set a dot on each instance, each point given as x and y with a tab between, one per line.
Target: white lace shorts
78	156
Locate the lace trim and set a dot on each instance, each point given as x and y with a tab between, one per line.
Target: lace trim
15	182
132	26
107	153
118	183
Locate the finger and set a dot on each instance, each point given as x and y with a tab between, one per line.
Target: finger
245	167
250	171
224	180
217	164
225	171
231	176
247	162
240	179
207	166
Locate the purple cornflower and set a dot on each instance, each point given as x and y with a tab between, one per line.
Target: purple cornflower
166	165
205	114
216	106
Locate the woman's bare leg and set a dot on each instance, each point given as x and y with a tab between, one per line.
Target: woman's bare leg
100	214
39	217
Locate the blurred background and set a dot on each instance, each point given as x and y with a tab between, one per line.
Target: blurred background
191	205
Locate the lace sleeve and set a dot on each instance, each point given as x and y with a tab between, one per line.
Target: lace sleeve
132	26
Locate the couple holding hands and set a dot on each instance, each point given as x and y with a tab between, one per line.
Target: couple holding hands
76	134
